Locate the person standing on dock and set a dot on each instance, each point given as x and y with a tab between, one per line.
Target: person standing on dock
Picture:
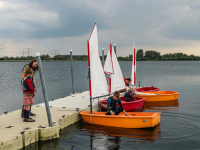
33	65
112	105
28	93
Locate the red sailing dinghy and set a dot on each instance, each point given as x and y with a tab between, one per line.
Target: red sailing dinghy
147	89
137	105
117	83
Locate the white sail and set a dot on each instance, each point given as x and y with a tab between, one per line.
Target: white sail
133	72
99	85
108	66
116	77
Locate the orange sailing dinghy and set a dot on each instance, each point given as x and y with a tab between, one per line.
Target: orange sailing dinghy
151	94
134	120
99	87
158	96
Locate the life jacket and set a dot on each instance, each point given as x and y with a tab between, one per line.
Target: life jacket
24	85
113	104
128	94
25	75
126	84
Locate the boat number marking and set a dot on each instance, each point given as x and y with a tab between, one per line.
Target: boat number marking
104	105
143	120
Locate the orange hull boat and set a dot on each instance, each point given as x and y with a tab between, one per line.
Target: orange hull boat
134	120
159	96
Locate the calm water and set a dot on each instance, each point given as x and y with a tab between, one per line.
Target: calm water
180	124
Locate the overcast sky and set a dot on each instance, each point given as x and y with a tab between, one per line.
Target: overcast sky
166	26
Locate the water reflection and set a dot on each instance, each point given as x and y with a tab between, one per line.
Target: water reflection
165	105
141	135
43	145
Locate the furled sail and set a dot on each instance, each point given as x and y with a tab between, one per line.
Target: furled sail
98	82
112	68
133	72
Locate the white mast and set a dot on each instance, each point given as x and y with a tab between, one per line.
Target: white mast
133	72
112	67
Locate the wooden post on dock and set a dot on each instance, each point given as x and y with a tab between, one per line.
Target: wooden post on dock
72	72
115	50
102	56
44	89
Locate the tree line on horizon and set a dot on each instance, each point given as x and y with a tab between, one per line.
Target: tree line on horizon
140	56
154	55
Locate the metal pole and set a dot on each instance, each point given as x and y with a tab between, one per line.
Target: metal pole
115	50
44	89
90	91
91	105
72	72
103	56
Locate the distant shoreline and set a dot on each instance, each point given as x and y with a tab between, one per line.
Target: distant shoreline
85	60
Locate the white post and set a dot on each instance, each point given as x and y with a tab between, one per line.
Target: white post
44	89
115	50
103	56
72	72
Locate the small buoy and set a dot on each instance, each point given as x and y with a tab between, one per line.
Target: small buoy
173	64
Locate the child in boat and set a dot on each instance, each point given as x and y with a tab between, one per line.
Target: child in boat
28	93
127	82
128	95
112	105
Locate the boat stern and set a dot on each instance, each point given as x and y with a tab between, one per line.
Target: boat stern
156	119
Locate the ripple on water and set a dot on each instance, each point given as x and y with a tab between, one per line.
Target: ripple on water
180	126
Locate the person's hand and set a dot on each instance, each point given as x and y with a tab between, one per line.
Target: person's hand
112	113
126	114
131	88
35	90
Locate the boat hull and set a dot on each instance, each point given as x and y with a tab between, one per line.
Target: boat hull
147	89
134	120
159	96
128	106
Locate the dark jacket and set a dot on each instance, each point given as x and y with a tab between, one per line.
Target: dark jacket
113	104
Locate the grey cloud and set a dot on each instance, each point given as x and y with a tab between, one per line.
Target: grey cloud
75	19
158	23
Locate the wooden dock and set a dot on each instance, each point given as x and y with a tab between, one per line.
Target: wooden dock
16	134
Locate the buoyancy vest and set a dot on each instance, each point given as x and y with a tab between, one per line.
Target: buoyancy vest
30	77
113	103
24	85
128	94
126	84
